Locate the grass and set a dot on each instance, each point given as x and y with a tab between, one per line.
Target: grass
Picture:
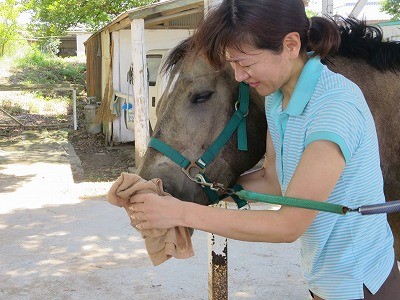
39	68
35	67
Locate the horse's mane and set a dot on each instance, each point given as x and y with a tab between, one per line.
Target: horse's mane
359	41
363	41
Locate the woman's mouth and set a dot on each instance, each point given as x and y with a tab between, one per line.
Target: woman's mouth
254	84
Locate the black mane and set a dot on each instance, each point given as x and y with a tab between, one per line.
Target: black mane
363	41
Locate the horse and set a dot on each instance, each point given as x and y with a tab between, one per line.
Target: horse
200	100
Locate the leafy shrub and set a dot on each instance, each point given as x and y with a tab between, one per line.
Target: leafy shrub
37	67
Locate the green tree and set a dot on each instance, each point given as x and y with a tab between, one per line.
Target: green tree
9	12
54	17
391	7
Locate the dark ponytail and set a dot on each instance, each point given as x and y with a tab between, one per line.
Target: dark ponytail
323	36
264	24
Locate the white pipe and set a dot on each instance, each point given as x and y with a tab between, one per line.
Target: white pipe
74	109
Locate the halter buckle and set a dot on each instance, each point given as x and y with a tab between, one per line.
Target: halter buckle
193	165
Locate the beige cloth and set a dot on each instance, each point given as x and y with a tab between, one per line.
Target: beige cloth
161	244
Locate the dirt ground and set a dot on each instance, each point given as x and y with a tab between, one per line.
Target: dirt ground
99	162
61	239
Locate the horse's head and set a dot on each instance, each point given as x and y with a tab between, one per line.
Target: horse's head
195	107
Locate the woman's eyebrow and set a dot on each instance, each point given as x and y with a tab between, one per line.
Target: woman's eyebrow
229	59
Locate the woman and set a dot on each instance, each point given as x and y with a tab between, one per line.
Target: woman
321	145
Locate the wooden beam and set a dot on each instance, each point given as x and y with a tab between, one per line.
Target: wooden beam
159	20
105	60
179	5
125	23
180	9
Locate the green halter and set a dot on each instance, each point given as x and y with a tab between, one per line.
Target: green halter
236	123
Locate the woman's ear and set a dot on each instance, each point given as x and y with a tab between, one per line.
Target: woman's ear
292	44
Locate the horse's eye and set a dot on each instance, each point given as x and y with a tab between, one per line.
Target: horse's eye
201	97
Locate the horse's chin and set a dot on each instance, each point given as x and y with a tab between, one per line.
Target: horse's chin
192	192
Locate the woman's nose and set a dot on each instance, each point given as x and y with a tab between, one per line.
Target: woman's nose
240	73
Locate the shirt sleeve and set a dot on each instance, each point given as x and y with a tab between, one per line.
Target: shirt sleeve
340	122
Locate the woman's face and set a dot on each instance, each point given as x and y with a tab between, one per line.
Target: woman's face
262	69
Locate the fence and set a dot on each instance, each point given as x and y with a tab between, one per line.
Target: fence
44	87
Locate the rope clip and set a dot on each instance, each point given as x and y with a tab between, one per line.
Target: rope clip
215	186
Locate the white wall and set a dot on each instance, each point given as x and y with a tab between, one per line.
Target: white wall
164	38
80	39
121	63
122	59
154	39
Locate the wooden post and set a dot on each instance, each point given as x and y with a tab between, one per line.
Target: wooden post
217	265
140	90
217	245
105	59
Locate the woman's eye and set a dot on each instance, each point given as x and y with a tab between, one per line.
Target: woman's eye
201	97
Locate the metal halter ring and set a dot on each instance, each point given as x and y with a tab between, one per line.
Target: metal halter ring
236	108
192	165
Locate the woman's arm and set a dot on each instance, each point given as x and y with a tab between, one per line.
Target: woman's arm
263	180
315	178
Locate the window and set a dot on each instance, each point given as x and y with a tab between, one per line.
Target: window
153	64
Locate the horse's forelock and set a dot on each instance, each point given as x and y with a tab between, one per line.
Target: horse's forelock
176	56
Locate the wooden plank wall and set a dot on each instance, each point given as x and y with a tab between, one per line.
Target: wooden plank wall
93	67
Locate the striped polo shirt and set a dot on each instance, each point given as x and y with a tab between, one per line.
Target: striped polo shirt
339	253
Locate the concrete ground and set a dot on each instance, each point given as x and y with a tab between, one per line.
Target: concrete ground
62	240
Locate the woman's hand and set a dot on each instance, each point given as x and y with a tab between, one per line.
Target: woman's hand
156	212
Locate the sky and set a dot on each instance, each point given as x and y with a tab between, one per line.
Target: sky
317	4
344	7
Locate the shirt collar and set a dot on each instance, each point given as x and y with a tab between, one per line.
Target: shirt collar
304	88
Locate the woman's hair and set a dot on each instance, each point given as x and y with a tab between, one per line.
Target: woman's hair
263	24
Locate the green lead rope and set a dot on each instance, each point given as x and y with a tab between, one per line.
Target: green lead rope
294	202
